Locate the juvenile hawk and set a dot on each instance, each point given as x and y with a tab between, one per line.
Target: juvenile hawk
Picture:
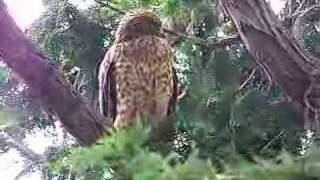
136	78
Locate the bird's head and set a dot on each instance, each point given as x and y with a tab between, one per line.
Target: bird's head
138	23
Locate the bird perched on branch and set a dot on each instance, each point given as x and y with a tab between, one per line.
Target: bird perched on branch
137	79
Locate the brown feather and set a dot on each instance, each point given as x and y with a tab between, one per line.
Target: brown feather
136	78
107	91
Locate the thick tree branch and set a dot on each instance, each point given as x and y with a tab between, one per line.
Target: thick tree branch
47	84
276	49
271	47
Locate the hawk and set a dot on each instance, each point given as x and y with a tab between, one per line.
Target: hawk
137	79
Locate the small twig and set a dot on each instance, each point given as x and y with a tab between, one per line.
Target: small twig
108	5
245	83
184	36
230	40
300	6
303	12
272	140
290	7
182	93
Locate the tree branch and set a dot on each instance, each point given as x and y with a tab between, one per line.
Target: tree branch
245	83
108	5
272	140
275	49
306	12
47	84
297	11
271	47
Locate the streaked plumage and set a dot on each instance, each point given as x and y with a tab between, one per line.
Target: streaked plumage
137	78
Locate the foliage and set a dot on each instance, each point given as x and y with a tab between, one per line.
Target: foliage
216	112
15	102
124	155
232	124
72	40
311	39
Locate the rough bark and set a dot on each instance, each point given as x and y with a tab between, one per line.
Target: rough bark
275	49
47	84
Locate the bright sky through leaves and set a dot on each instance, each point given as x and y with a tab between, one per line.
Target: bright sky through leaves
26	11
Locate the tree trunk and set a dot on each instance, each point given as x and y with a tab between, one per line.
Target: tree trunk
47	84
275	49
